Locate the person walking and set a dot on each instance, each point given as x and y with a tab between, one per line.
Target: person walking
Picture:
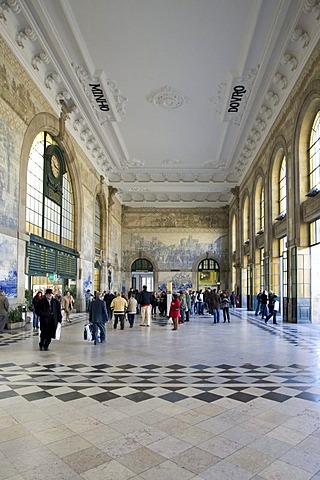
154	303
4	309
109	296
132	309
233	299
67	305
36	319
174	311
225	304
188	300
145	302
183	306
88	296
272	312
49	311
264	302
119	305
216	306
98	316
258	303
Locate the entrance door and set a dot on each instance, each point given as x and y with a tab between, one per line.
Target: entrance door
142	274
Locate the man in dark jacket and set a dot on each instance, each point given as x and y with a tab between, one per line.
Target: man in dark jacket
272	313
108	299
98	316
48	310
145	302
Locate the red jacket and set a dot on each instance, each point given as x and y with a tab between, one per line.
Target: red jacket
175	309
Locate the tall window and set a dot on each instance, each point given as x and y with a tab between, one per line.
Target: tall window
245	219
234	233
315	232
261	261
314	154
261	205
283	188
97	226
44	217
97	243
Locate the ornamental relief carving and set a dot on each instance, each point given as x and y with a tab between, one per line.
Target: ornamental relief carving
17	89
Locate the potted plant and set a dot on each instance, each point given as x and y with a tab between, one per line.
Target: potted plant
14	319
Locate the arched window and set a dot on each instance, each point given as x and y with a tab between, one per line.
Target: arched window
283	188
314	155
97	226
245	221
234	233
259	207
97	244
208	273
208	264
142	265
261	204
49	199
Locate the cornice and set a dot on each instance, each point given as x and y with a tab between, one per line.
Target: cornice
291	62
33	50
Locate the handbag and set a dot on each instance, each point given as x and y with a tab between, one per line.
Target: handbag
276	306
58	331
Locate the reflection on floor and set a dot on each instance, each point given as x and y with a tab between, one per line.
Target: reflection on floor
210	401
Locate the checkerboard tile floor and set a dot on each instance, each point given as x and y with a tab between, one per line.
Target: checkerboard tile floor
239	400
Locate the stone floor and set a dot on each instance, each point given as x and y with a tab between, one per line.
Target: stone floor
225	401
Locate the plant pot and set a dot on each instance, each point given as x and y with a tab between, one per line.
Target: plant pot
15	325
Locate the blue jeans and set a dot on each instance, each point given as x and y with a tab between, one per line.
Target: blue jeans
131	319
263	310
216	315
182	315
103	334
258	308
36	320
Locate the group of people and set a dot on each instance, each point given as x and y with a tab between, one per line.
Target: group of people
267	306
120	307
66	304
47	313
185	304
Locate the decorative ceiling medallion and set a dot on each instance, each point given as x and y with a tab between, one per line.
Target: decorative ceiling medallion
167	98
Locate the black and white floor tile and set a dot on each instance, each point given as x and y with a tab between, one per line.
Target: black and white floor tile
238	400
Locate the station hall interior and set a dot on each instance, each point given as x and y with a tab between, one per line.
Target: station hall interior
173	144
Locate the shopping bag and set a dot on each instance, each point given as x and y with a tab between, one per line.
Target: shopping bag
58	331
276	306
87	334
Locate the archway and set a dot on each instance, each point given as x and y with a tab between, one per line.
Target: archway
208	274
142	274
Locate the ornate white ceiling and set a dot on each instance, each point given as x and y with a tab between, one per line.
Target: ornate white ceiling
170	99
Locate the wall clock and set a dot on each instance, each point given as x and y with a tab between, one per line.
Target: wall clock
55	166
